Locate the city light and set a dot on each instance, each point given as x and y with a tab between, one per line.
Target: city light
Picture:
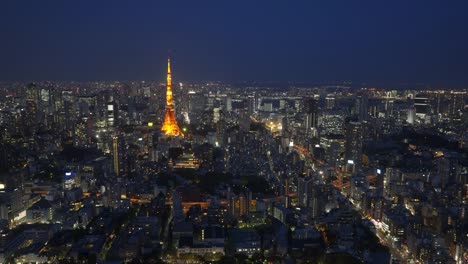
263	139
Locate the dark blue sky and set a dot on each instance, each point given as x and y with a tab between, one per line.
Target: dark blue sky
377	41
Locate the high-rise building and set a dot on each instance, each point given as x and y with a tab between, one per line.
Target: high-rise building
256	101
33	93
228	103
353	142
447	170
119	155
112	114
243	205
333	145
311	116
170	126
244	121
31	113
197	105
391	178
318	200
456	103
304	190
253	103
330	101
411	117
361	107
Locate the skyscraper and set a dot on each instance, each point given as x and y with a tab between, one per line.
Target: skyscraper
31	113
197	105
456	103
353	144
311	116
304	190
391	178
119	155
362	105
228	103
411	115
170	126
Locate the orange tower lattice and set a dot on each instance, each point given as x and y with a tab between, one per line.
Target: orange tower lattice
170	126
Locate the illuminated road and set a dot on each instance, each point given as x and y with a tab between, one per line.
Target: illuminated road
312	162
386	241
396	252
303	151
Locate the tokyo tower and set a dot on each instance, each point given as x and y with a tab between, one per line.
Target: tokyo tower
170	126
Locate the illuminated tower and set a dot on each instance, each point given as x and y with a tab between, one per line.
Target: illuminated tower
119	155
170	127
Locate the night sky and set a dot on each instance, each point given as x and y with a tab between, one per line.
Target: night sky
308	41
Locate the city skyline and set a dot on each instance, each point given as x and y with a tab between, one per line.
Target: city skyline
379	44
284	132
330	174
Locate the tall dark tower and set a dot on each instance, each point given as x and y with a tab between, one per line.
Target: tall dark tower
353	144
31	113
311	116
170	126
362	105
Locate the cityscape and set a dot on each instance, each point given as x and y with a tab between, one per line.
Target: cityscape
173	170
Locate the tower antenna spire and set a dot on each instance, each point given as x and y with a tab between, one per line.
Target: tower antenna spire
170	126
